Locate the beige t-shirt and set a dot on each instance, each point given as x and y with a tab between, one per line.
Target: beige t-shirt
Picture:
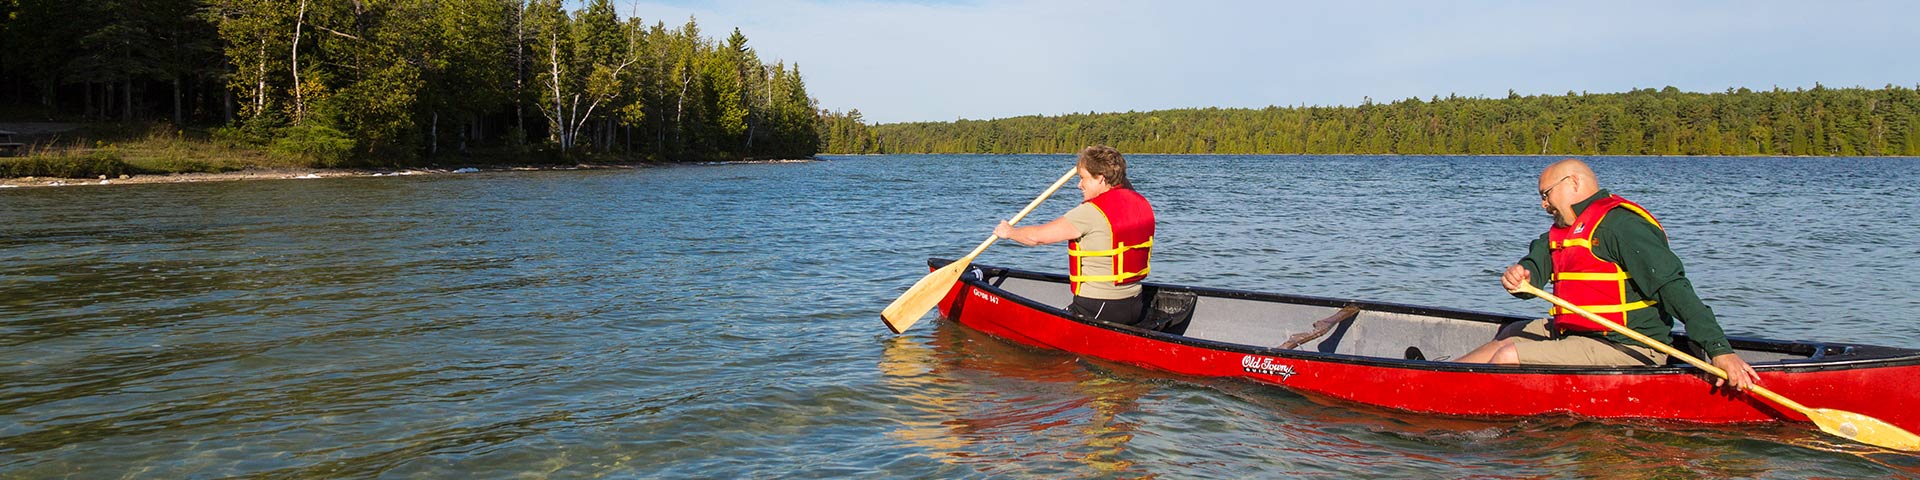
1095	234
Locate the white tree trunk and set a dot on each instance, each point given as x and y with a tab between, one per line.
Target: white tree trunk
260	89
299	99
520	70
569	120
557	125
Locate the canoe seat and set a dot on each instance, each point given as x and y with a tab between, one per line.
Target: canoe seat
1169	311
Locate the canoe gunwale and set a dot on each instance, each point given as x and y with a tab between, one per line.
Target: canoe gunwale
1823	356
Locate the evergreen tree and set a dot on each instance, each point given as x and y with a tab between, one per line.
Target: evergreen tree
1665	121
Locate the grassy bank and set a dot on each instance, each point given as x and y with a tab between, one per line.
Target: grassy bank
92	150
114	149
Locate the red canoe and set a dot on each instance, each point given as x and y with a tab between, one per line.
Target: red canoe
1393	355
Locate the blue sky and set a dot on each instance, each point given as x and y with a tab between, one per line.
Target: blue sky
945	60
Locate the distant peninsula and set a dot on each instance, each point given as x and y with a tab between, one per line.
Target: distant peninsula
1819	121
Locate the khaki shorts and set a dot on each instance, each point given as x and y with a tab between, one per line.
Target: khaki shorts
1537	345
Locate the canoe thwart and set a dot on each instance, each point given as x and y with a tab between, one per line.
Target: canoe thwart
1321	327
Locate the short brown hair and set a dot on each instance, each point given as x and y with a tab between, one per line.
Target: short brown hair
1105	163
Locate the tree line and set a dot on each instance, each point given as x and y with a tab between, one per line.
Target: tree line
1817	121
359	82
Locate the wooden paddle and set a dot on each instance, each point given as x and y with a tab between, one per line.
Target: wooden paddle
1845	424
927	292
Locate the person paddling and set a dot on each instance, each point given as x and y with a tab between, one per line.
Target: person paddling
1110	239
1609	256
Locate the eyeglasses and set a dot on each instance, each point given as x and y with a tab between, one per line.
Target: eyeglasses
1549	189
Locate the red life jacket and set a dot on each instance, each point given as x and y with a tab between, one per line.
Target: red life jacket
1596	285
1130	218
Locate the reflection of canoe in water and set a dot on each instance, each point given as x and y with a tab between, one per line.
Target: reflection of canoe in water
1363	355
971	400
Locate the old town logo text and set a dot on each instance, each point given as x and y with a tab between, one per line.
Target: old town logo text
1253	364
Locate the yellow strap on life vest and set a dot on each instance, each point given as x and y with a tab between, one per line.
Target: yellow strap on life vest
1115	253
1591	276
1109	253
1571	242
1108	278
1643	214
1609	308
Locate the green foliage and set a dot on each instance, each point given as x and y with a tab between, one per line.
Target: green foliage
318	145
846	132
254	131
179	164
377	110
98	161
404	79
1817	121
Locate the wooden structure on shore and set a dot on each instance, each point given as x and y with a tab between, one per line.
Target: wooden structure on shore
8	147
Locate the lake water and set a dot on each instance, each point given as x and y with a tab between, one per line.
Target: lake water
722	321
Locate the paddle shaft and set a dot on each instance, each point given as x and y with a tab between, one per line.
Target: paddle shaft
1023	213
927	292
1657	345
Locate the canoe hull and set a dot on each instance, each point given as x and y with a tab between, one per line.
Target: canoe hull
1882	388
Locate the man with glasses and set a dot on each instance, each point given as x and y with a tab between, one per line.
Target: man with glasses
1624	272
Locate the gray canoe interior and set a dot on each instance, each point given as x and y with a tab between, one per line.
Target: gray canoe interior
1371	333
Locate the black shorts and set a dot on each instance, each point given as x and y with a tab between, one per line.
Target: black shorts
1125	311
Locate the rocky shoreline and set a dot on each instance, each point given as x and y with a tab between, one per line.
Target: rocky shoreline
315	173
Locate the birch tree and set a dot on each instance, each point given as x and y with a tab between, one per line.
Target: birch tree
583	68
256	32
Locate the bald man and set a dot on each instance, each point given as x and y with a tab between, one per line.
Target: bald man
1609	256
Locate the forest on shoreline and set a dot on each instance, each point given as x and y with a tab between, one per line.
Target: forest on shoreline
1818	121
166	86
390	84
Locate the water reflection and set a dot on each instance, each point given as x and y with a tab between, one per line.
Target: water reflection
995	406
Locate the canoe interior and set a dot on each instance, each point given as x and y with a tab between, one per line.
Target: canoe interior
1255	321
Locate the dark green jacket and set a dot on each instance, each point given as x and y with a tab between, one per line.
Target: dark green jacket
1640	249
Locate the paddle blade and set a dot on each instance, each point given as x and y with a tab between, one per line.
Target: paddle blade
922	296
1864	429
